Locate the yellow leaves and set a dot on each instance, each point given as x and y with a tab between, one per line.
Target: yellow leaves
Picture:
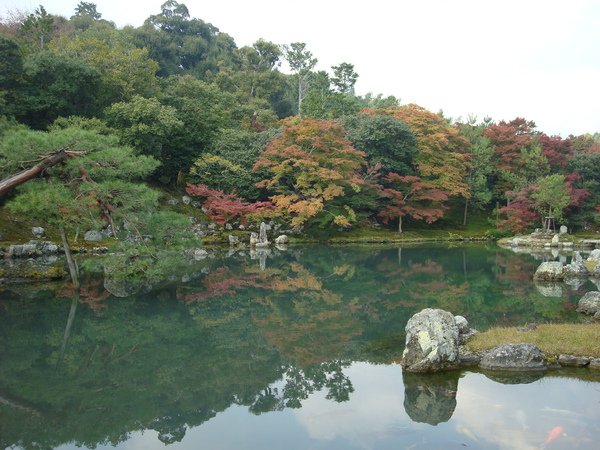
284	201
341	221
332	191
304	210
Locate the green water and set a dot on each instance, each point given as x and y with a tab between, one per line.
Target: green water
295	349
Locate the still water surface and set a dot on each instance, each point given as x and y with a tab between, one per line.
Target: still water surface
295	349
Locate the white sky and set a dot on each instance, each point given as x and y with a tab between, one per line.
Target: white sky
538	59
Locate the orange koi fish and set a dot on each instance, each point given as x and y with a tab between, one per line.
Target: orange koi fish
554	434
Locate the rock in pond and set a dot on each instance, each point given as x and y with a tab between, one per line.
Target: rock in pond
464	331
282	240
589	303
577	267
514	357
549	271
573	361
431	342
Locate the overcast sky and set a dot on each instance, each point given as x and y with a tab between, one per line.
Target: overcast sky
534	59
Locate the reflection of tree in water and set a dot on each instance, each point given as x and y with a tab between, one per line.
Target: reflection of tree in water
266	340
300	383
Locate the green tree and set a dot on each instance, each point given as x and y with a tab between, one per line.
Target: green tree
11	69
551	196
38	26
187	45
204	110
344	78
125	70
98	185
480	166
385	140
301	62
87	9
146	125
54	86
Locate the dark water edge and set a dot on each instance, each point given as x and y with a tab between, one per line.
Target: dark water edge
293	349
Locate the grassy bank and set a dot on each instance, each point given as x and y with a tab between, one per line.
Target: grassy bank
552	339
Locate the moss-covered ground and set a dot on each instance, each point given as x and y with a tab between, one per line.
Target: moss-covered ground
552	339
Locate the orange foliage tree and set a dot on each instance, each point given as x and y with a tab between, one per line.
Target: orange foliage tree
312	166
441	160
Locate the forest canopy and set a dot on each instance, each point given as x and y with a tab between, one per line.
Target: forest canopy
176	102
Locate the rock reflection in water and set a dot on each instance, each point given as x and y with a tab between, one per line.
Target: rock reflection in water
430	398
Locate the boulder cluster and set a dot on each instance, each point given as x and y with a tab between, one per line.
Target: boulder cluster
578	268
434	339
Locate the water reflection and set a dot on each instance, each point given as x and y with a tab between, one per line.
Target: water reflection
307	335
430	398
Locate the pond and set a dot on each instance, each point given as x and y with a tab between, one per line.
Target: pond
283	349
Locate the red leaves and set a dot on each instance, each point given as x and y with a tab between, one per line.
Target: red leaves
412	196
223	282
520	214
222	207
509	138
556	150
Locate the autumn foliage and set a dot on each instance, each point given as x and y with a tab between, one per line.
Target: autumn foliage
223	208
311	164
412	196
442	160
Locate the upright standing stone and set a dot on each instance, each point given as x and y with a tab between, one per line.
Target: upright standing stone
262	236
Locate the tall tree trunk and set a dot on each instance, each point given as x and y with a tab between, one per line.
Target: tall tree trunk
8	184
70	262
465	212
75	279
399	224
68	327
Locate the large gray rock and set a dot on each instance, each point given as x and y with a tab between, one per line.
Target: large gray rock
549	271
233	240
38	232
573	361
93	236
563	229
555	241
431	342
577	268
33	249
589	303
514	357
